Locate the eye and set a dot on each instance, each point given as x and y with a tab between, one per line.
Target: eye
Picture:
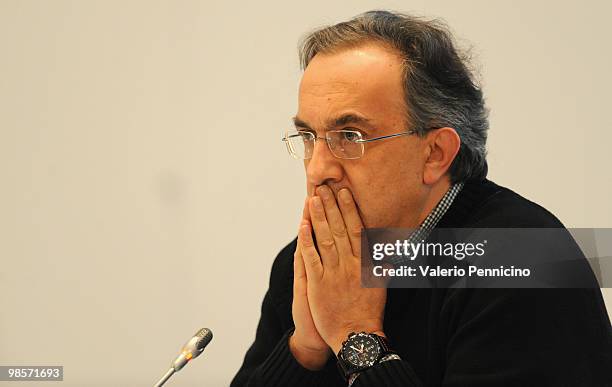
351	136
306	135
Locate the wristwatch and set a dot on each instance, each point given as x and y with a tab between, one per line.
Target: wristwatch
361	351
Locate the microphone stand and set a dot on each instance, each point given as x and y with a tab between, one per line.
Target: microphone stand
165	378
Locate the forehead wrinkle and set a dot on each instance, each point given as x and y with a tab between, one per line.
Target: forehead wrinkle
327	89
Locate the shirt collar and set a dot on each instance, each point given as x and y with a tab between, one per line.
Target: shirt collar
430	222
443	205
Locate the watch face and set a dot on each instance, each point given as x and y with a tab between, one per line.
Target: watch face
361	350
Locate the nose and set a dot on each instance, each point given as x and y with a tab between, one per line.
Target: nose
323	167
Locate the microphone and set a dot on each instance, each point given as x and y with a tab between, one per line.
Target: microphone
192	349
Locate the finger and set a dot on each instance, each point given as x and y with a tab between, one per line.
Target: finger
299	272
312	262
305	212
352	220
335	221
325	240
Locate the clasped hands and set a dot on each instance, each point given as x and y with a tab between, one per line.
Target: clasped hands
328	300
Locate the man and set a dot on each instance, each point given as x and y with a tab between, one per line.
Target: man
392	130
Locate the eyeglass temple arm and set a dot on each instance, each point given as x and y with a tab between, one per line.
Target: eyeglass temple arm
389	136
287	137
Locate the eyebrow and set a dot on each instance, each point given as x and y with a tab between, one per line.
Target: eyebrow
345	119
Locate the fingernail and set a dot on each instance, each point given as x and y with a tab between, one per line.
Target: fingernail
323	192
316	202
345	195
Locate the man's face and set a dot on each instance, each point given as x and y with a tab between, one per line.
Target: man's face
366	82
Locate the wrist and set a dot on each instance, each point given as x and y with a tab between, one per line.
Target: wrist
379	333
362	350
309	358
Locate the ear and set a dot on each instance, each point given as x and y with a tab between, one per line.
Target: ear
443	145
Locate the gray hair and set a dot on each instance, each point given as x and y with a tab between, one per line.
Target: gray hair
439	89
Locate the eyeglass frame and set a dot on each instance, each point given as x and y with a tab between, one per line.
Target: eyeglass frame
327	140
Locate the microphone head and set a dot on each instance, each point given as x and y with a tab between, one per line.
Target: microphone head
205	336
193	348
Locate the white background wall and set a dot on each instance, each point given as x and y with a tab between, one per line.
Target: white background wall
144	189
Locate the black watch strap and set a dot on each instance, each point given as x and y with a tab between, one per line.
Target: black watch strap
384	345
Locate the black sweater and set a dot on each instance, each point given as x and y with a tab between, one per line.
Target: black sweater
456	337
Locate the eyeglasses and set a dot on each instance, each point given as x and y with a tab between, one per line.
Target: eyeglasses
343	143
